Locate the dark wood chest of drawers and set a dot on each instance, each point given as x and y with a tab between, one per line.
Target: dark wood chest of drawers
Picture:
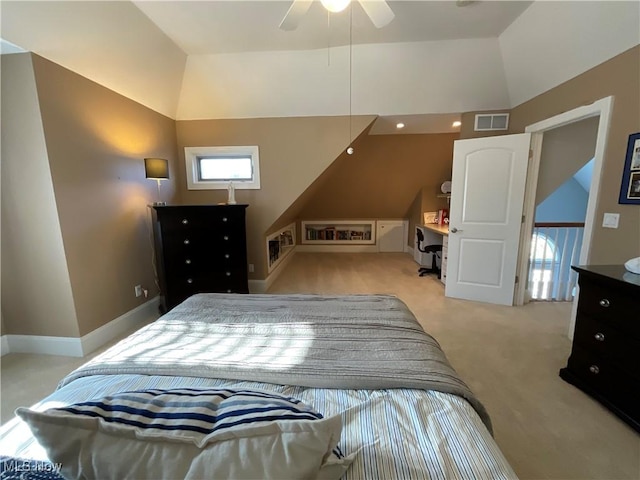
605	356
198	249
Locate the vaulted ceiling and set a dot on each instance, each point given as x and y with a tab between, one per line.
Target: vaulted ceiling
229	59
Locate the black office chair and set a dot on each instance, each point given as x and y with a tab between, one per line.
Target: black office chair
436	250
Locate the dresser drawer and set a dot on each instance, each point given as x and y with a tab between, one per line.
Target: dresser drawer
618	309
185	286
203	241
190	258
606	380
599	337
186	219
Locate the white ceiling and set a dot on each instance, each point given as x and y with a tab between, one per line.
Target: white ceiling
228	59
205	27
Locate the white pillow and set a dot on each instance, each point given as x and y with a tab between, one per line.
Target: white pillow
190	433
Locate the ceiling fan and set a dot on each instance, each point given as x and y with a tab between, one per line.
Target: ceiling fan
378	10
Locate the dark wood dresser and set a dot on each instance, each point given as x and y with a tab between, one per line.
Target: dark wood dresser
605	356
198	249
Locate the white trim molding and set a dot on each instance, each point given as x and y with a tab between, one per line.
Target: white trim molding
261	286
4	345
79	347
603	109
133	319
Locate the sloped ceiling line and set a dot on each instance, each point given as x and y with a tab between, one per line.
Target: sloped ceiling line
433	58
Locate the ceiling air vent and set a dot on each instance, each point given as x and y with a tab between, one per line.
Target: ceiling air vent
491	121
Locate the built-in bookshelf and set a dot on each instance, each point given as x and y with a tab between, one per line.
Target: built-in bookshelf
279	245
339	232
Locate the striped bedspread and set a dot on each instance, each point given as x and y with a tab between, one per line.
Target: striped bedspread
345	342
395	434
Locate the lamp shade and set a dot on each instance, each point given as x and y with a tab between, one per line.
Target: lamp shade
156	168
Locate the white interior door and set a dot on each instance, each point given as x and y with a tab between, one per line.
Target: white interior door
487	193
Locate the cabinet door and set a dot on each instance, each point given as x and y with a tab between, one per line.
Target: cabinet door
391	236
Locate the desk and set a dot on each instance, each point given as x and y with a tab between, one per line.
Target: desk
434	234
439	229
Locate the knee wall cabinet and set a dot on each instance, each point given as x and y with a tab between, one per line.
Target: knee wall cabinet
199	249
605	356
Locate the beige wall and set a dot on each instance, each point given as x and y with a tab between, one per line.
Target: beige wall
95	141
388	176
36	289
293	153
565	150
619	77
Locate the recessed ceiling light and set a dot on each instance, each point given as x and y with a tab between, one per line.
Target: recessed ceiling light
457	123
400	125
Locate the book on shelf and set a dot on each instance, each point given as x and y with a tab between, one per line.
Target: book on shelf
443	216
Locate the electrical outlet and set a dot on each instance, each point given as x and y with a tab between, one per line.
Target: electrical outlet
251	268
138	289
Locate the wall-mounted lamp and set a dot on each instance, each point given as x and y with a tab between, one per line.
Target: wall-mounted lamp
157	169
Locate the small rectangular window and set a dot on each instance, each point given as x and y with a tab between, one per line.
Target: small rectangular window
214	167
225	169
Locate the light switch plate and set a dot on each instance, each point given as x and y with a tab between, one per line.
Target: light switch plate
610	220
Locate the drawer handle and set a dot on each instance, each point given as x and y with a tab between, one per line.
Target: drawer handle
185	221
226	237
189	280
188	261
186	241
594	369
605	303
599	336
224	219
226	255
228	274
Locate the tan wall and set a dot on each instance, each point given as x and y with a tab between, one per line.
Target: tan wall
96	140
619	77
382	178
565	150
293	153
36	289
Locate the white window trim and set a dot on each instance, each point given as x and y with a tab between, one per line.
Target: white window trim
191	155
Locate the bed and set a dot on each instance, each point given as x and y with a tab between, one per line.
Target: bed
382	399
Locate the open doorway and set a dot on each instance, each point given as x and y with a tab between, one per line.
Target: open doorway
562	194
600	112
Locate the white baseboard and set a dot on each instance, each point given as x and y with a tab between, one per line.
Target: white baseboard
4	345
145	313
338	248
45	345
261	286
257	286
79	347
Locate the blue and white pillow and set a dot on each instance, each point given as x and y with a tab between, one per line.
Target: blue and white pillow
190	433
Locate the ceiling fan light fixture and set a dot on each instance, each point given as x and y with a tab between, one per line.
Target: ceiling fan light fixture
335	6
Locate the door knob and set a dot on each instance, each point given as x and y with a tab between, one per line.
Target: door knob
454	230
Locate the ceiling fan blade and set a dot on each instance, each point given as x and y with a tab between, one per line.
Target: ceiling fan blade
379	12
296	11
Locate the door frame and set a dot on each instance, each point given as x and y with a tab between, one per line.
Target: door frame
601	108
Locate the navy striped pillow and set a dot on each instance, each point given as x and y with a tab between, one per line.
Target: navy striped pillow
193	413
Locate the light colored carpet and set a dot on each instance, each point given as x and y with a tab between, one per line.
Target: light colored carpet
509	356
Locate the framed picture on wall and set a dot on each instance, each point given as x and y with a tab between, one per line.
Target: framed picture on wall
630	187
